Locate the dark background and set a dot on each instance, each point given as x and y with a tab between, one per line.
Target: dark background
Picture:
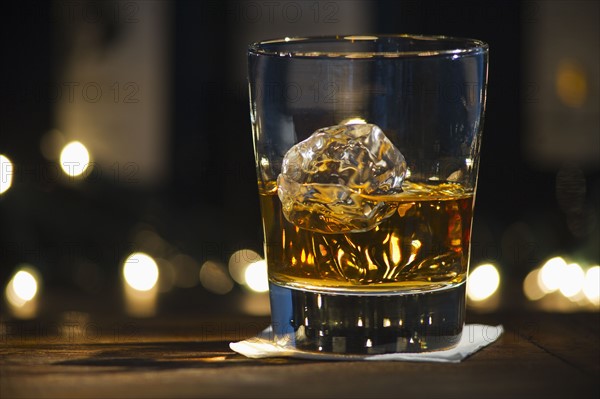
206	204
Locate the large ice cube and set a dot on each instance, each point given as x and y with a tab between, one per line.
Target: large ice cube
330	182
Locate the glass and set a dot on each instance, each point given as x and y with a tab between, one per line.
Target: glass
367	150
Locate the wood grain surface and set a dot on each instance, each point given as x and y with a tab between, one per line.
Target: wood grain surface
540	355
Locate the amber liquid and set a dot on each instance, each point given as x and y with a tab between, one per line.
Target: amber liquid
423	246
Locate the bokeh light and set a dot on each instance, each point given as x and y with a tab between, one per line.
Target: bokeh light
239	262
256	276
531	286
186	270
571	282
21	288
6	173
140	271
22	292
571	83
74	159
551	274
24	285
214	278
483	282
562	286
591	285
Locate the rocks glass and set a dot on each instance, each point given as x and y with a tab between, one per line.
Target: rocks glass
367	150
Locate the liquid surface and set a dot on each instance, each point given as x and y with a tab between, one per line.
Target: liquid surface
423	246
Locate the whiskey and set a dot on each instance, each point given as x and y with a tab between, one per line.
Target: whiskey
422	246
398	287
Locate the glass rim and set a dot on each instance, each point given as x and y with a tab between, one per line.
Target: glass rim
464	47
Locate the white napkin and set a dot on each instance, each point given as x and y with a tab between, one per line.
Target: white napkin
474	337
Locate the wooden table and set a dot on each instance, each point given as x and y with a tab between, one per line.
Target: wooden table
540	355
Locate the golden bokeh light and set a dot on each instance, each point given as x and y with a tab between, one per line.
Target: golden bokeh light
140	271
571	282
551	274
591	285
238	263
74	159
483	282
22	292
186	270
256	276
22	288
214	278
562	286
571	83
531	286
6	173
25	285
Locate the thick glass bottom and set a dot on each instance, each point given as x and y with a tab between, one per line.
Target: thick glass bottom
370	324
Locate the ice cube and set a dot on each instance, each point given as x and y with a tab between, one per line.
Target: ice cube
330	182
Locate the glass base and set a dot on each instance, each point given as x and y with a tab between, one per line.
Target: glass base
369	324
